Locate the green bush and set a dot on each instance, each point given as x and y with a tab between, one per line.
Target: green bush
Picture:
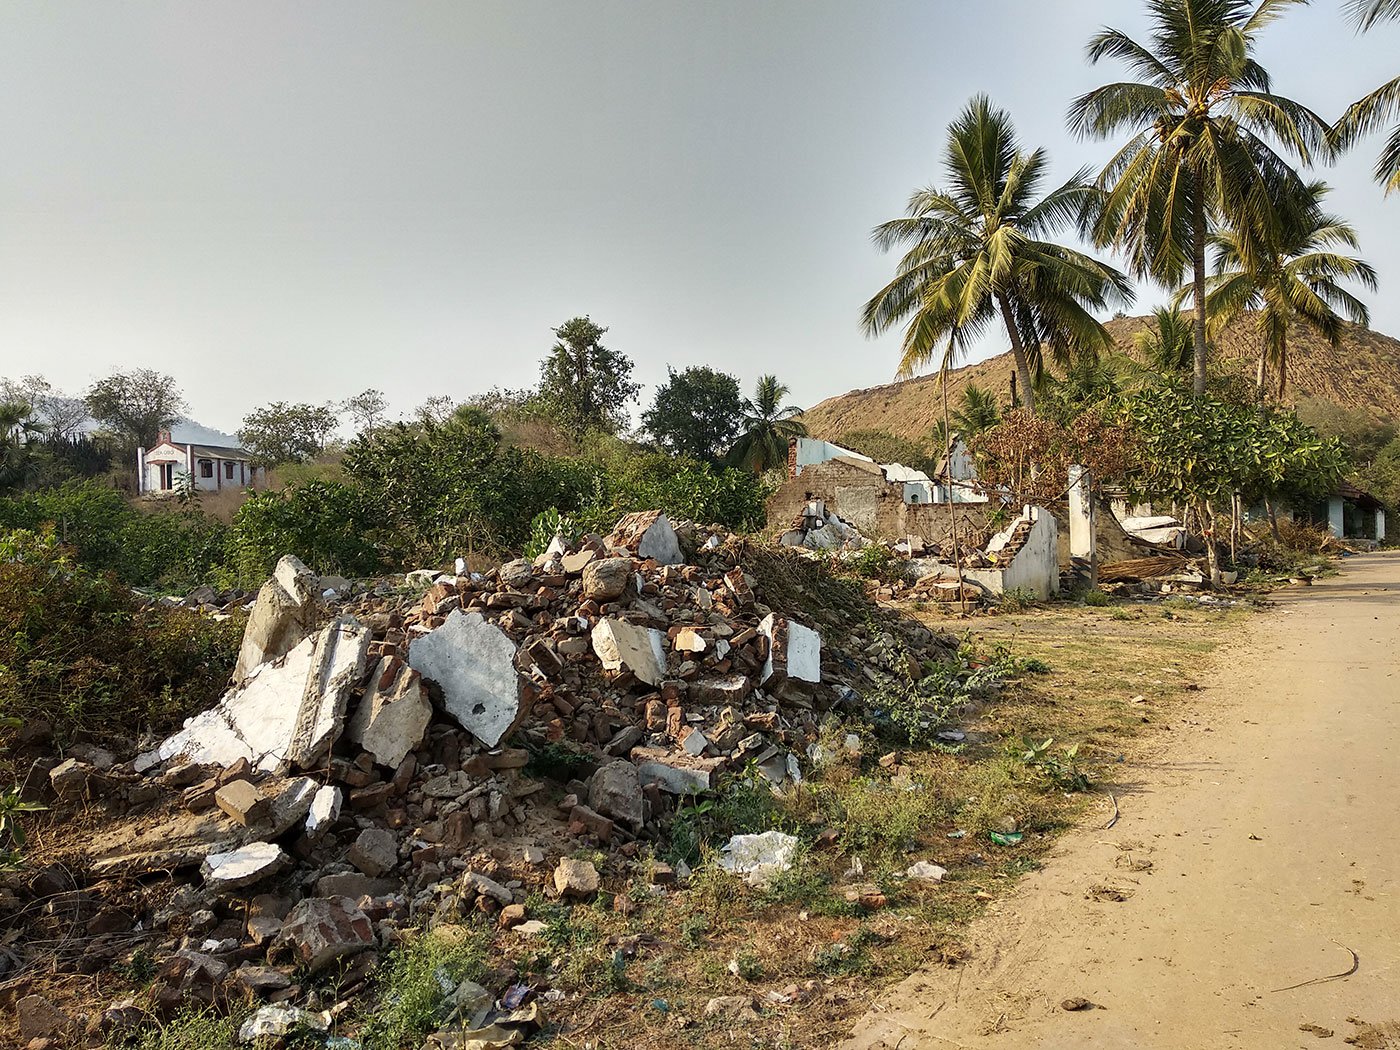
330	526
81	651
416	982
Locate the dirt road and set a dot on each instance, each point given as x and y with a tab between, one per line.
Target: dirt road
1250	856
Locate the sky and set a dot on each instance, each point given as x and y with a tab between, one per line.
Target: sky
295	202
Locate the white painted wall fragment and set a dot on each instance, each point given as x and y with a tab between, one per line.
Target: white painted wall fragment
794	651
393	716
641	650
473	663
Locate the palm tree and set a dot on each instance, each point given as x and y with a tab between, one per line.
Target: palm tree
768	427
1201	118
17	428
978	411
975	255
1165	346
1379	107
1295	279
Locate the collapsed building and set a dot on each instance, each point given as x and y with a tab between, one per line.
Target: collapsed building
433	749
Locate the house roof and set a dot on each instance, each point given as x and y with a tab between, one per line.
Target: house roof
1359	496
219	452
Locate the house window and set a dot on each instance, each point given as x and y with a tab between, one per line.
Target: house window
206	468
228	471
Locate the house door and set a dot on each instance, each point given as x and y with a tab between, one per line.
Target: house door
167	476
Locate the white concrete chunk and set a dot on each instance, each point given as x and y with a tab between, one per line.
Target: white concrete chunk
641	650
390	721
473	663
244	866
759	857
794	651
325	811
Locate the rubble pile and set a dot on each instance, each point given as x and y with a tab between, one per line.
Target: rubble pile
430	750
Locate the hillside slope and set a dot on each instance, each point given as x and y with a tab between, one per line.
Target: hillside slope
1362	374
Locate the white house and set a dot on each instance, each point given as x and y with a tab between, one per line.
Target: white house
163	468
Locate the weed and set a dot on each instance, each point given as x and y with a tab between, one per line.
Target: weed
190	1029
742	804
1095	598
1061	769
11	830
845	958
694	928
1018	599
418	978
880	819
804	884
560	761
1119	614
748	966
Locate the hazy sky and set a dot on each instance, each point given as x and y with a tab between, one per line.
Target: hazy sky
278	201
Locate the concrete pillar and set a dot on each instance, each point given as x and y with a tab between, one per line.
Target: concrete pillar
1082	532
1335	519
1380	525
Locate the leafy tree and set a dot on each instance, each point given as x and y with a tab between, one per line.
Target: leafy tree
584	385
1200	117
134	407
695	413
62	417
975	254
1378	108
287	433
1198	452
365	409
1295	278
768	427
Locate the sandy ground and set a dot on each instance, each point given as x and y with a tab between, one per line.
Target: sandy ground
1250	855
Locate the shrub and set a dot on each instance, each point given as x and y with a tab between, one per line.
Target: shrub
417	980
79	650
329	525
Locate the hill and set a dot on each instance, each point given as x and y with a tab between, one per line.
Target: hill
1363	374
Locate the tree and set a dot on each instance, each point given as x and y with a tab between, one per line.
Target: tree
585	385
62	417
695	413
978	411
1166	346
1295	278
286	433
768	427
975	253
1378	108
134	407
17	428
1199	118
365	409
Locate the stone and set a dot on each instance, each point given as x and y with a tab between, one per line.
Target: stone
650	535
244	866
278	1020
473	663
693	742
925	871
320	930
759	857
615	791
69	780
575	563
354	885
731	689
606	579
40	1019
677	774
283	616
393	716
375	852
689	640
242	801
325	811
517	574
576	878
586	821
188	978
794	651
489	887
735	1007
621	645
287	712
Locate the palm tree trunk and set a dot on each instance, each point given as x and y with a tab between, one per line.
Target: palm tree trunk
1018	353
1259	381
1198	284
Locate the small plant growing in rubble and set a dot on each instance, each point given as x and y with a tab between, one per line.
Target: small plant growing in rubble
12	835
1062	768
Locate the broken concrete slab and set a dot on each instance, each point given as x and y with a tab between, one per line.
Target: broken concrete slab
621	645
286	713
320	930
649	534
393	716
242	801
794	651
284	614
473	663
375	852
244	866
759	857
678	774
576	878
324	811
